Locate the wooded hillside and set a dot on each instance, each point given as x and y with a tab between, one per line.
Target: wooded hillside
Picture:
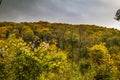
57	51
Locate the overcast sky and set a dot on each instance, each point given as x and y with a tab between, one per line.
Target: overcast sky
98	12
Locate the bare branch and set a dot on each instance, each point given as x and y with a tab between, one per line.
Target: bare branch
0	2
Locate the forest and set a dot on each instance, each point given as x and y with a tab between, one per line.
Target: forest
58	51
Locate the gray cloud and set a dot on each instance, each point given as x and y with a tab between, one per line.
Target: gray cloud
99	12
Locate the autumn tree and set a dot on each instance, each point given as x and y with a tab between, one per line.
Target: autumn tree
102	63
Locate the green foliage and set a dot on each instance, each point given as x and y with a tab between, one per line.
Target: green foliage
56	51
20	62
102	62
99	54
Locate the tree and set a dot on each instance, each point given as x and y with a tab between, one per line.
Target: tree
102	63
117	15
99	54
18	61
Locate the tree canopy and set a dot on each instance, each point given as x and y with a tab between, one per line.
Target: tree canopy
56	51
117	15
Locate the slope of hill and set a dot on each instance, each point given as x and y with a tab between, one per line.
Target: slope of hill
58	51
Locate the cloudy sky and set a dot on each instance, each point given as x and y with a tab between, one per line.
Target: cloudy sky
98	12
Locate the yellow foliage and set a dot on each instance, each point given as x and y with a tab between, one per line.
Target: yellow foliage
99	54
